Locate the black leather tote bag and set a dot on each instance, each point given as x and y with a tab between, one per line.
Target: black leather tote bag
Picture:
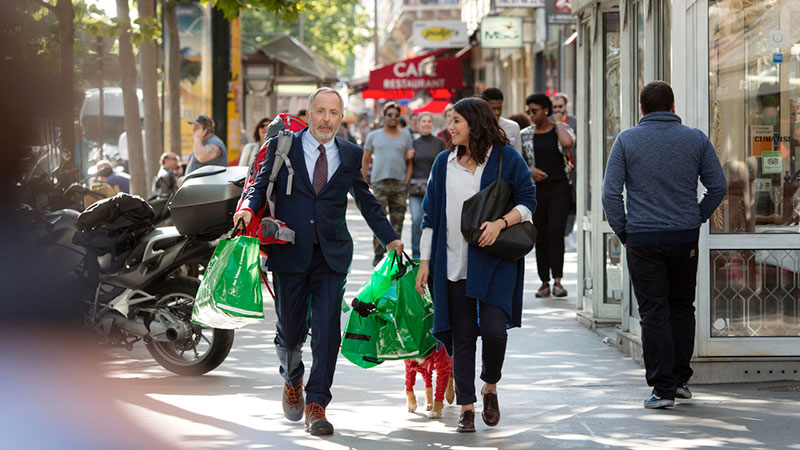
489	205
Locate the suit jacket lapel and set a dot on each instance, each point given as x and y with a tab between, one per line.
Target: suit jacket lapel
298	158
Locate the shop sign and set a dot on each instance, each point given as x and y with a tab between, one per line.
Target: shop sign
762	139
519	3
422	72
439	34
501	32
771	162
559	12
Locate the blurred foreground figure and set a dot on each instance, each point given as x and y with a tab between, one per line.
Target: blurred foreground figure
51	386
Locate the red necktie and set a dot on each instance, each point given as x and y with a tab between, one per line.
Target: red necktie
320	171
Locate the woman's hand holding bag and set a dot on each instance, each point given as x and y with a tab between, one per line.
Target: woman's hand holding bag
422	276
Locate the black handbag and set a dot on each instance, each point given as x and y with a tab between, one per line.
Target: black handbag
489	205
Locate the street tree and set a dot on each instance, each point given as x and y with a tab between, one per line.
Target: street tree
130	101
150	30
332	29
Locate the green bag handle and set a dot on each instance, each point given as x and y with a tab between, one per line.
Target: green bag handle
238	229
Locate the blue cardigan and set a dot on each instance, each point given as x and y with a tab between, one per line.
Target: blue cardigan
491	280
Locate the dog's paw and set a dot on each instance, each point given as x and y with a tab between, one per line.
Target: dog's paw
411	402
450	392
428	407
436	410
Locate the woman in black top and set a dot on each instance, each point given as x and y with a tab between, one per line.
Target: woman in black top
544	145
426	147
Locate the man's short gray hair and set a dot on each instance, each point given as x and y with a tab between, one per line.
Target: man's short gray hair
322	90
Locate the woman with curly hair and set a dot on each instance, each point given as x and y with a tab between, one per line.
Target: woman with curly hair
474	293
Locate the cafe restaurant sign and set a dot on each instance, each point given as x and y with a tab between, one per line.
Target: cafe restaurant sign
422	72
501	32
439	34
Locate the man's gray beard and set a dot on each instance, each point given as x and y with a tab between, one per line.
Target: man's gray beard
320	137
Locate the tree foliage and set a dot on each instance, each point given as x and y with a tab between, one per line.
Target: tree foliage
332	28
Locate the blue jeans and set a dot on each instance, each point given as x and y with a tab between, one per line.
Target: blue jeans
415	203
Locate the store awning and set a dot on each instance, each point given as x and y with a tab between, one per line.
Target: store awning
571	39
433	106
388	94
421	72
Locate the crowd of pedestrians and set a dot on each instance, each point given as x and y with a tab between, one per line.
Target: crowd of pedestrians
477	292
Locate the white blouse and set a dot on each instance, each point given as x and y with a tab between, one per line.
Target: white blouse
461	185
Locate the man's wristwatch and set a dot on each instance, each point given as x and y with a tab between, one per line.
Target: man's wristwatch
506	222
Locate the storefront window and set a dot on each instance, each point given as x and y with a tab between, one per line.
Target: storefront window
611	72
664	25
587	262
585	39
638	67
754	83
755	293
612	248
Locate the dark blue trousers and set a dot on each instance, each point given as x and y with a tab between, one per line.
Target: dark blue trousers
322	289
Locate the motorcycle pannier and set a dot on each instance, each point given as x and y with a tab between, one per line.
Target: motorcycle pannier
205	202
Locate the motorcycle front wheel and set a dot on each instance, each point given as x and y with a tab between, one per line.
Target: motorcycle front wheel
205	349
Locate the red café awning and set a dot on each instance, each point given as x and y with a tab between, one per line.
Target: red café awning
421	72
433	107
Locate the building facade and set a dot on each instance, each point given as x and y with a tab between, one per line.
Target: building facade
735	70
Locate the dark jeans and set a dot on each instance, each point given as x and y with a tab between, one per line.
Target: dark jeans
464	312
664	279
292	291
550	219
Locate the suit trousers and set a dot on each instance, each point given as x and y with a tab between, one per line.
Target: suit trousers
464	315
664	279
321	289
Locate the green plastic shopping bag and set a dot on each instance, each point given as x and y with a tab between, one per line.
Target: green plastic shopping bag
229	296
401	325
405	318
361	333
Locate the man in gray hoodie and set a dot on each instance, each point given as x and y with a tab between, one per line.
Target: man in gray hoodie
659	162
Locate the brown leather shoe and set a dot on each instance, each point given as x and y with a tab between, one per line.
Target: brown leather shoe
491	409
293	402
466	423
316	423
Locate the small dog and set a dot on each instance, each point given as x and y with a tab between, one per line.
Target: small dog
438	360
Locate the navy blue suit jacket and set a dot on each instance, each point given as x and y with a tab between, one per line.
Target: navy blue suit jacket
303	211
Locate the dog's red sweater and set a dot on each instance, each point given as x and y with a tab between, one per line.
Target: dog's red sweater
438	361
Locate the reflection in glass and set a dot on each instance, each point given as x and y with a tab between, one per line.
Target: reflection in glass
612	248
754	82
755	293
587	143
587	261
611	97
640	57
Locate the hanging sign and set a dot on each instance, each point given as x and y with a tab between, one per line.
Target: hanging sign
422	72
501	32
439	34
519	3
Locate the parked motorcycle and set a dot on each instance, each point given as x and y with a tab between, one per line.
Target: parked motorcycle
136	291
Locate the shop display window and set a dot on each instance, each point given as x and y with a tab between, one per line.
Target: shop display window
612	248
754	104
755	293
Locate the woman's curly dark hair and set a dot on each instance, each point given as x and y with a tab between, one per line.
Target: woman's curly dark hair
483	128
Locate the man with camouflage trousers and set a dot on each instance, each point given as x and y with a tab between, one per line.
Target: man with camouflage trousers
392	149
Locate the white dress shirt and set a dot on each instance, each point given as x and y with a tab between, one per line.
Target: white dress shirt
461	184
311	153
512	132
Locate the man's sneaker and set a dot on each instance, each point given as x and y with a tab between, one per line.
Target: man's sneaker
683	391
293	402
559	291
543	291
656	402
316	423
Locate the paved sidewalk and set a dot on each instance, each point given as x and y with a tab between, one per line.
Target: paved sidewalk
562	387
